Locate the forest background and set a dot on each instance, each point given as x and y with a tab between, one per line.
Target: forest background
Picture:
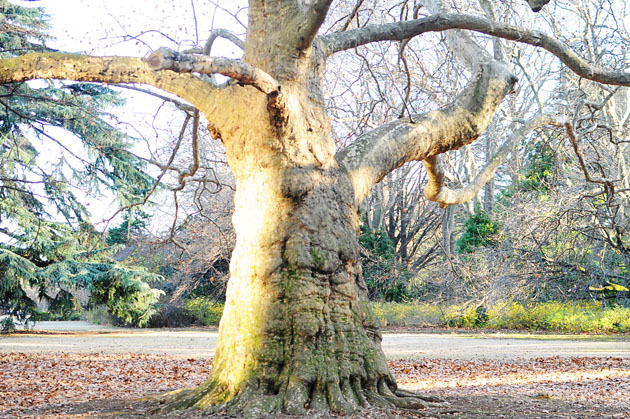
106	218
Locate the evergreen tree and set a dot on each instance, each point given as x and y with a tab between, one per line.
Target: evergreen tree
47	242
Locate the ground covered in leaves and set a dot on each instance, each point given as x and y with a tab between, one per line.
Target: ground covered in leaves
108	385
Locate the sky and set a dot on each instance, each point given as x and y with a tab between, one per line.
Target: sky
136	28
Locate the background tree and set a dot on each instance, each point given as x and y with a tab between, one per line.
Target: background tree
550	247
297	333
56	147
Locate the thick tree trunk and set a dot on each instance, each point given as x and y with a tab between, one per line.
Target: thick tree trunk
297	334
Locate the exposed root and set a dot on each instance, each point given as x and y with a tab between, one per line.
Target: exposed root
298	398
424	397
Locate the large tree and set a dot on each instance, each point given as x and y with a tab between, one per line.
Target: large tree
297	334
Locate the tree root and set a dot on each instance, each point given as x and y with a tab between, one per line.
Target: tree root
298	398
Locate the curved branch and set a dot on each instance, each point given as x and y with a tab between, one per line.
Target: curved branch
217	33
389	146
398	31
222	33
437	191
113	70
167	59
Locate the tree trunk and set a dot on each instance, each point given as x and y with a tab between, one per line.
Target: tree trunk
297	333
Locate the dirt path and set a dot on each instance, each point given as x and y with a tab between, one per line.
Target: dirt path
81	337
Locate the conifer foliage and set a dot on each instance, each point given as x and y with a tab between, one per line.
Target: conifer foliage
58	148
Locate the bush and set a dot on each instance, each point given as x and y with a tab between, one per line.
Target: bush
169	316
7	325
571	317
468	318
409	314
204	311
480	231
385	279
45	316
100	315
540	170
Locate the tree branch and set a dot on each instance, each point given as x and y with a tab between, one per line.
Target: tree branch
225	34
312	18
341	41
578	153
113	70
217	33
437	191
167	59
389	146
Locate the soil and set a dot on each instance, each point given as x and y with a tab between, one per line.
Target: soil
103	373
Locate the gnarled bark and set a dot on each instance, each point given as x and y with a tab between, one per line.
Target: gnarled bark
297	334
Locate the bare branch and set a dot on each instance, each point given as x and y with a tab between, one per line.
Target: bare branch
380	151
437	191
177	103
578	153
340	41
167	59
352	15
217	33
222	33
312	18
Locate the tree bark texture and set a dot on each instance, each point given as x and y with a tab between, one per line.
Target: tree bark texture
297	334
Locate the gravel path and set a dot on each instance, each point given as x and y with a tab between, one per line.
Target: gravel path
82	337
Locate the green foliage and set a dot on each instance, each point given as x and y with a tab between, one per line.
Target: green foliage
125	291
204	310
611	289
480	230
409	314
7	325
469	318
98	314
47	242
376	242
385	279
540	169
134	222
573	317
64	306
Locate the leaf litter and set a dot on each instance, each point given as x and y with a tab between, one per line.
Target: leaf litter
82	385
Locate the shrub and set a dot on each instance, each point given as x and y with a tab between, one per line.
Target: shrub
98	314
409	314
540	169
384	277
204	311
7	325
480	231
571	317
469	318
